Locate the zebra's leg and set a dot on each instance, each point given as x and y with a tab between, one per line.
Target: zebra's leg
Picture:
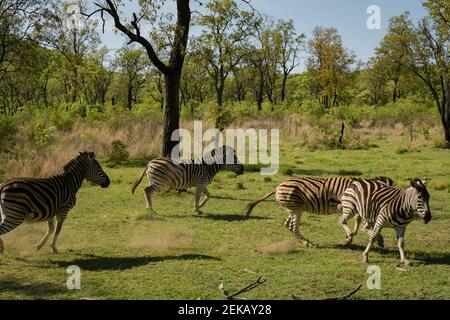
373	236
292	223
380	240
148	197
8	224
358	220
207	197
198	192
343	222
59	223
400	232
51	229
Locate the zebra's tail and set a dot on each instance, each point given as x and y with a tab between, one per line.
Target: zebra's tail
253	204
138	181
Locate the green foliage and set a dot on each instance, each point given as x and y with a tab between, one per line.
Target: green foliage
8	131
118	153
40	132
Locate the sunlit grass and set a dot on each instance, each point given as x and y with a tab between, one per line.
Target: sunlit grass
184	256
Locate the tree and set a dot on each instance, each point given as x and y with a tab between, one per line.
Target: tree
195	84
289	44
225	27
172	68
427	56
96	78
375	78
330	66
255	58
73	37
17	24
134	68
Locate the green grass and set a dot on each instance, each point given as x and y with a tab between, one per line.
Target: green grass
182	256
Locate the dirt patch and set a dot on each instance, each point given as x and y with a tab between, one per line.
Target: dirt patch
174	241
282	247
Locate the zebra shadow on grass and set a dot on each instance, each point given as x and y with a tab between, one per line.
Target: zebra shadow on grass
416	256
35	290
98	263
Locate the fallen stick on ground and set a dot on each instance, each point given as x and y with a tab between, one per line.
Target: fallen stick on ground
346	297
250	287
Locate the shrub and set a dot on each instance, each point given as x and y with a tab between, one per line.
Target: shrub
287	171
231	175
267	179
240	186
40	132
119	152
402	151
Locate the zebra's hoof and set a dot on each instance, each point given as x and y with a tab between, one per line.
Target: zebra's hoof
38	247
365	259
199	213
54	250
406	263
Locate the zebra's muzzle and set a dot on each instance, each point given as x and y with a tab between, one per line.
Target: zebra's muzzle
427	218
105	184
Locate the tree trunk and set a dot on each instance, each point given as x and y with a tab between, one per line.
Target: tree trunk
130	97
171	111
283	88
219	100
445	117
395	93
75	84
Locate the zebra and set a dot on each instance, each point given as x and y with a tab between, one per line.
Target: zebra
34	200
385	206
180	175
315	195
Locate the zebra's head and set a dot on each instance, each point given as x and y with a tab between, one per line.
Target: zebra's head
227	157
421	200
386	180
95	173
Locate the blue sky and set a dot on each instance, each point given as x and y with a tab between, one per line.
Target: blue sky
348	16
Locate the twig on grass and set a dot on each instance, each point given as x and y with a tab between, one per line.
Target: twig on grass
250	287
346	297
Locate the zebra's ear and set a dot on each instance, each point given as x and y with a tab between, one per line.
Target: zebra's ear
417	184
424	182
91	155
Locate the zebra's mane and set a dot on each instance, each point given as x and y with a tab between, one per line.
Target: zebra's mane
72	163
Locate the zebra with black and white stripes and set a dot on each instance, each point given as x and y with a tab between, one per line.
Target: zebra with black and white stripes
320	196
383	206
181	175
38	200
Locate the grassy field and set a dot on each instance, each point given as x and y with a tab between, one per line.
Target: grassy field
182	256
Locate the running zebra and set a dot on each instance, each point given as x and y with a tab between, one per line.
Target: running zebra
315	195
384	206
38	200
181	175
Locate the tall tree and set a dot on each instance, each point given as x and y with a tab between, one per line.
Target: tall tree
172	68
133	66
224	28
330	66
96	77
73	37
427	55
289	44
18	20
